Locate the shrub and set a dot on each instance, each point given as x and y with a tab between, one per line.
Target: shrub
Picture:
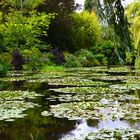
3	69
48	59
33	58
71	61
86	63
58	56
102	59
106	48
128	58
6	58
17	60
87	59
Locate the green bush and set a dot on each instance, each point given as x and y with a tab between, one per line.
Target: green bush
106	50
24	30
129	59
90	57
102	59
48	59
71	61
6	58
33	59
87	59
86	63
3	69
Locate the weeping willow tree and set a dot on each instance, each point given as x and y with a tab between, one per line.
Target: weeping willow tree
133	14
111	15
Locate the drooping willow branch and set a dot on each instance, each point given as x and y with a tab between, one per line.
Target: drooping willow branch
111	13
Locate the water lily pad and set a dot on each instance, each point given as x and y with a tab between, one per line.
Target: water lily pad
70	81
104	110
128	86
46	113
88	90
116	134
14	109
17	95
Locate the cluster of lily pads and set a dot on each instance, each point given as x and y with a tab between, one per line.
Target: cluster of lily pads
89	90
10	110
13	104
101	101
116	134
107	134
128	86
17	95
104	110
117	78
93	97
70	81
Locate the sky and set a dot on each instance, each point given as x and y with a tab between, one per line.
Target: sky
81	2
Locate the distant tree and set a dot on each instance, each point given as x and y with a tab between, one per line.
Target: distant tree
90	5
85	31
61	7
58	33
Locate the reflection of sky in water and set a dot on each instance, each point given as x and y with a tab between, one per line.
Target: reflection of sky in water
80	129
85	127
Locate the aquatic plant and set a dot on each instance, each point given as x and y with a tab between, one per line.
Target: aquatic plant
17	95
10	110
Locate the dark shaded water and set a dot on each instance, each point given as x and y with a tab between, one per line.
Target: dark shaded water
36	127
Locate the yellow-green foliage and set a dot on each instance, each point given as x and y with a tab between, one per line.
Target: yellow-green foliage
33	52
133	14
26	4
85	30
33	58
22	31
5	58
54	68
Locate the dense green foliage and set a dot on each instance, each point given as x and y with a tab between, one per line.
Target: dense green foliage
3	69
24	31
85	30
133	14
47	39
58	33
22	5
46	32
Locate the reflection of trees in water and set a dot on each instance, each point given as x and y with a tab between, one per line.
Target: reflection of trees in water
30	86
37	127
137	93
92	123
5	85
18	85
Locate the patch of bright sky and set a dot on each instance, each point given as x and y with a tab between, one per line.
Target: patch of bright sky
81	2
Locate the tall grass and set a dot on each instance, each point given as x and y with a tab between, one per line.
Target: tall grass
53	68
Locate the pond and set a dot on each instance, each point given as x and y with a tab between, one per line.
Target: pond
96	103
